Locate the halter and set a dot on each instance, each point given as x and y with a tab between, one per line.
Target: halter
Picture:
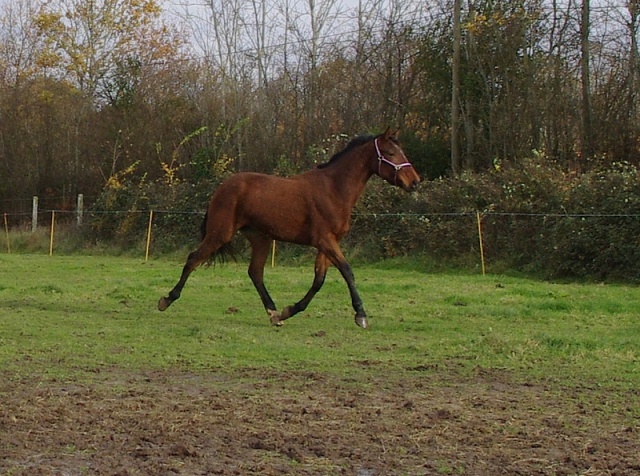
382	158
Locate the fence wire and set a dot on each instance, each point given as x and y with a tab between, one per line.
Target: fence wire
489	235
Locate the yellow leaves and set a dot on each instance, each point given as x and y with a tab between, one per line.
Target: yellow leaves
45	96
49	27
480	22
170	173
192	135
222	166
483	22
113	183
48	59
171	169
149	7
475	23
47	21
118	180
87	38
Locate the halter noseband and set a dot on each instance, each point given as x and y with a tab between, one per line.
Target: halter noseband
382	158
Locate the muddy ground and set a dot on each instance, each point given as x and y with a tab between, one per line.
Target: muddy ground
422	422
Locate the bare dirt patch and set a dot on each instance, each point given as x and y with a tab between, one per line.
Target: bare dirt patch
273	423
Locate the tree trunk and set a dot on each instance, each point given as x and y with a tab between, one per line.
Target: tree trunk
587	132
455	92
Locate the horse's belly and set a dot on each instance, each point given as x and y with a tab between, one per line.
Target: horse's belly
283	224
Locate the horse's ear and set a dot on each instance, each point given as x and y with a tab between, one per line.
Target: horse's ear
387	134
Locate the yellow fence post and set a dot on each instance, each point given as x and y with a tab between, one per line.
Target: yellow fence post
481	242
6	230
273	254
53	226
146	254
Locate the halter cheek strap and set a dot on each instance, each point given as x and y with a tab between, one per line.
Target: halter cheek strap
382	158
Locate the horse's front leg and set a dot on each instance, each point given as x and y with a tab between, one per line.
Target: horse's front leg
321	267
339	261
356	301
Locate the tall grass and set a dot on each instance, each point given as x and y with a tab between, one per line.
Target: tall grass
78	316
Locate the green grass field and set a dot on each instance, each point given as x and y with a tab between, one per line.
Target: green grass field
458	374
74	316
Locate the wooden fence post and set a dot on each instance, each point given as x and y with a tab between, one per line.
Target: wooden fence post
6	230
480	239
34	215
79	209
273	254
146	254
53	228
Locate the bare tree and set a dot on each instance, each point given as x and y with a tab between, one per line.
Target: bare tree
312	25
19	47
259	37
633	7
456	162
585	73
19	42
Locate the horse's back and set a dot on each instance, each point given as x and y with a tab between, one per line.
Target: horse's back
252	189
277	206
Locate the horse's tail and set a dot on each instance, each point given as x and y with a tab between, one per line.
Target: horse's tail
221	254
203	226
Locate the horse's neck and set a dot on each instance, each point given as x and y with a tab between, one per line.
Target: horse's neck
350	176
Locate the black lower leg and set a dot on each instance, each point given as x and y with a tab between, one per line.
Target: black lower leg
257	278
174	294
356	301
318	281
267	302
304	302
260	247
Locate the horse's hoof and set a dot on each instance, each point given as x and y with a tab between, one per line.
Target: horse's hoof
362	321
163	303
274	317
286	313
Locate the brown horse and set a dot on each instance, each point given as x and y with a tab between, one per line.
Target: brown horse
312	208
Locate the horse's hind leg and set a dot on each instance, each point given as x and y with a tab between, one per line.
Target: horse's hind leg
207	248
260	245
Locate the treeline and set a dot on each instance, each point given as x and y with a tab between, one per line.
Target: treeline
147	104
90	90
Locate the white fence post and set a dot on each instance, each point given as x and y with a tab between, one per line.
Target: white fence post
34	215
79	209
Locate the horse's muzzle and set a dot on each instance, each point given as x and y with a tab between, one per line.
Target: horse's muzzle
412	185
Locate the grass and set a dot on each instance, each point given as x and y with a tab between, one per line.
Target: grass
78	316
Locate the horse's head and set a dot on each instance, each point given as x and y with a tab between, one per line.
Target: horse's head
393	165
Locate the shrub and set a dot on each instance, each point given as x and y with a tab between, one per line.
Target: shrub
534	217
601	237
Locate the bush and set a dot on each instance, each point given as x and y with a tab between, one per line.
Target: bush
122	210
601	237
440	220
534	217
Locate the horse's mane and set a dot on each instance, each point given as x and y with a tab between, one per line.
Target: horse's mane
353	143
